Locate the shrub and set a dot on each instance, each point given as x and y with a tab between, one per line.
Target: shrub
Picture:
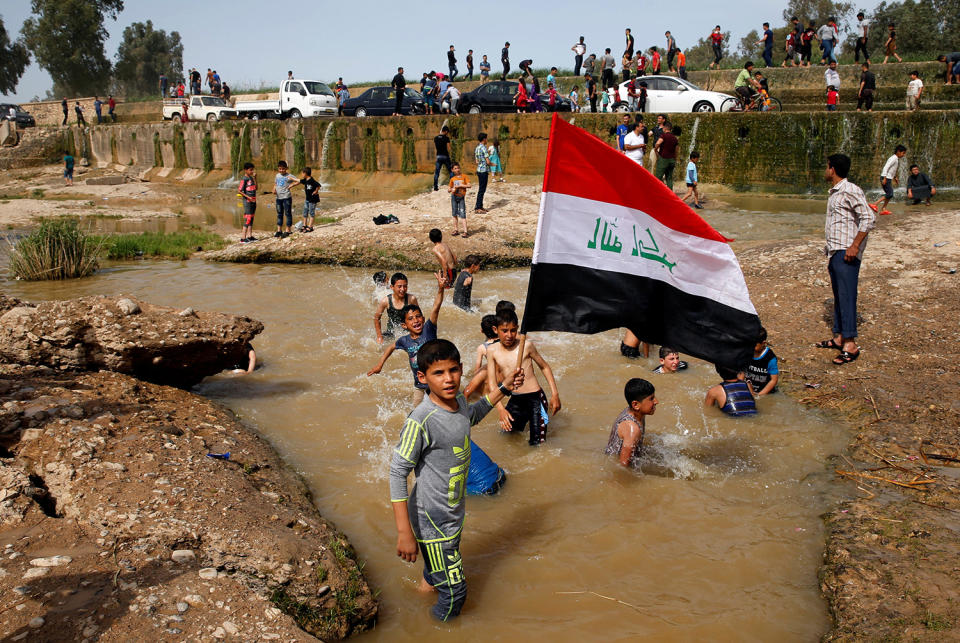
58	249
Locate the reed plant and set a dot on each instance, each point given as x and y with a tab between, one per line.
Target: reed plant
57	249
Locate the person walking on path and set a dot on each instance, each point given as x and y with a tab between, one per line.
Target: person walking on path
469	64
666	147
848	223
111	109
861	45
831	76
716	42
98	109
399	85
482	157
578	50
889	176
81	121
890	46
827	35
951	75
806	44
441	142
452	64
868	85
606	77
163	86
790	50
767	41
671	51
505	60
65	108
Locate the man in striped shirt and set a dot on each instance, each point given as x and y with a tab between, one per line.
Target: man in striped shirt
849	221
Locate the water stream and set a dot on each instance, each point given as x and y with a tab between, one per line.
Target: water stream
720	540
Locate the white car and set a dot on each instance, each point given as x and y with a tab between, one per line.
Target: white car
666	94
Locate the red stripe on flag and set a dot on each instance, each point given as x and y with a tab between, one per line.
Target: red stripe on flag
581	165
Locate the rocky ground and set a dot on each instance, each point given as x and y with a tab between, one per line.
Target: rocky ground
502	237
116	524
891	567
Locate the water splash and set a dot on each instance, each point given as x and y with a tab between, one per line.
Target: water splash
693	135
234	180
324	149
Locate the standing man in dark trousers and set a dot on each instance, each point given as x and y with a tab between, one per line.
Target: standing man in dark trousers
399	84
65	108
861	40
441	141
591	86
628	50
578	50
452	64
470	64
505	59
849	221
481	156
606	76
767	40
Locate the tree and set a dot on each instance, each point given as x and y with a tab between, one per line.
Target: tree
144	54
819	11
67	39
13	60
920	27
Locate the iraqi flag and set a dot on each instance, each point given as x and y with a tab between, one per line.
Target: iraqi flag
616	248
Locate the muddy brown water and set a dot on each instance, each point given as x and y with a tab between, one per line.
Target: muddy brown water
719	539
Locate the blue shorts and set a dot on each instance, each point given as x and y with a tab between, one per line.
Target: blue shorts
428	101
309	209
888	189
68	174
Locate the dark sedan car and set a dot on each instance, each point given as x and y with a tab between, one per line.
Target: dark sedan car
497	96
380	101
23	119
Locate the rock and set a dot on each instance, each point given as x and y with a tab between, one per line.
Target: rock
36	622
219	633
182	607
272	613
128	306
30	434
193	599
187	312
51	561
230	628
183	556
90	630
106	180
99	334
36	572
8	133
208	573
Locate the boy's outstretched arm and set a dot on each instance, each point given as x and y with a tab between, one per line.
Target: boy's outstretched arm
438	300
554	402
383	360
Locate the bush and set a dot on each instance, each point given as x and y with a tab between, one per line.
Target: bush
58	249
176	245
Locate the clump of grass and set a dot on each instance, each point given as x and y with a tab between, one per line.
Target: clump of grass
37	193
176	245
936	622
58	249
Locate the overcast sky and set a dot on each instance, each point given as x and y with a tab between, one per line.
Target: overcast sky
255	43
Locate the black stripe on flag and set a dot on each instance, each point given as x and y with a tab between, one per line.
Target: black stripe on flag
587	300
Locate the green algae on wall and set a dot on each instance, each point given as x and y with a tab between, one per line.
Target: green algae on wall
299	150
371	138
179	147
206	147
157	150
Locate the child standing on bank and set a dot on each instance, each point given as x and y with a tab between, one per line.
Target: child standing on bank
247	191
68	164
693	180
528	404
420	332
282	183
832	97
311	191
435	445
445	256
458	190
493	161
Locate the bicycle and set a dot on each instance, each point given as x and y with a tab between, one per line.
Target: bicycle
759	102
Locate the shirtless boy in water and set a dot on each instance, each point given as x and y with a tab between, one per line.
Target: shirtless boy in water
626	435
528	403
445	257
393	304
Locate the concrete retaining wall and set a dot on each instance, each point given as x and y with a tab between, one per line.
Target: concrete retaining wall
773	152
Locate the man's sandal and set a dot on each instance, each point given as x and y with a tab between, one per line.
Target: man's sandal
845	357
829	343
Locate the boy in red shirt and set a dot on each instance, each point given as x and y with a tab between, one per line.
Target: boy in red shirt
681	64
654	61
832	96
247	191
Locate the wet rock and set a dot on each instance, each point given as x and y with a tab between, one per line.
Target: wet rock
187	312
128	306
51	561
88	334
36	572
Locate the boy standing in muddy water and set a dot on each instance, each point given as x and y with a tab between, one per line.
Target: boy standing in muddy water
247	191
420	332
435	445
393	303
626	435
528	404
445	257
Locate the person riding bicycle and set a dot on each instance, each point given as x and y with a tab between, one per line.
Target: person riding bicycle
745	86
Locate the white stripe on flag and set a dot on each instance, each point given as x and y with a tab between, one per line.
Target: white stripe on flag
593	234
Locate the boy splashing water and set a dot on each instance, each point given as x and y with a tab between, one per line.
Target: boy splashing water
529	404
626	436
435	445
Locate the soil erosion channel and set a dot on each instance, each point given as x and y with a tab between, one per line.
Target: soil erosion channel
721	538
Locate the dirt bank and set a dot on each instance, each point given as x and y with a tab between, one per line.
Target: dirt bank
502	237
890	569
116	524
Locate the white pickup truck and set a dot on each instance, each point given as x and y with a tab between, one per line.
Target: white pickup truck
199	108
297	98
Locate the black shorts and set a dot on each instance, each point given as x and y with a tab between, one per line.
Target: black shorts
888	189
249	207
529	408
691	185
629	351
746	93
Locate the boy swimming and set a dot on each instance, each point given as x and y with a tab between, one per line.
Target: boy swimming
445	257
528	404
670	361
732	395
626	436
393	303
488	328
